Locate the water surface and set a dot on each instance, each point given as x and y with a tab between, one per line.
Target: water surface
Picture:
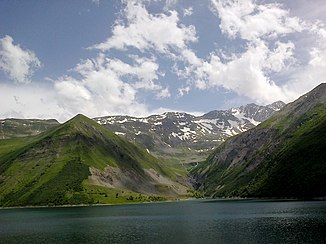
209	221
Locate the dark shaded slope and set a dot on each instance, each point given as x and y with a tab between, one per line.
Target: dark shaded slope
284	156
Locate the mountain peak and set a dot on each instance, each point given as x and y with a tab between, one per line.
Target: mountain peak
306	102
70	162
283	156
276	106
321	86
79	117
318	92
316	95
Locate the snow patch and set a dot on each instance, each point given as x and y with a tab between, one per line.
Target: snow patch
242	117
121	121
185	129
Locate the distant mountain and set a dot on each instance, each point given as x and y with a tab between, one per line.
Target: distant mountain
80	162
285	156
10	128
184	136
176	138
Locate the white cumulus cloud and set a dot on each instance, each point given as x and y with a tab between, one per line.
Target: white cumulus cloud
143	30
18	63
268	31
248	20
109	86
247	73
263	53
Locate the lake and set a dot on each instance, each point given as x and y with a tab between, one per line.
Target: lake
200	221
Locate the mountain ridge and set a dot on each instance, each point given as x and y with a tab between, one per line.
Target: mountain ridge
282	157
80	162
176	134
12	127
176	137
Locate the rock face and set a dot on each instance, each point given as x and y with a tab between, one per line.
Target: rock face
285	156
173	133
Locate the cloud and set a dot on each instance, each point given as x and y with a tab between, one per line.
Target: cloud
165	93
313	72
17	63
270	55
270	35
267	30
248	20
68	86
144	31
109	86
247	73
188	11
144	70
30	101
308	10
184	91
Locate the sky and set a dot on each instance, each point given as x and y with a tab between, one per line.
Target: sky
140	57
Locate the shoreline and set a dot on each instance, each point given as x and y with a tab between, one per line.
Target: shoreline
95	205
166	201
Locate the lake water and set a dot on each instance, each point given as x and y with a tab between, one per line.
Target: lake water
209	221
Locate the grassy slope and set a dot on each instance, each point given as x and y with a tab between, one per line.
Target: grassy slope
12	128
52	168
297	168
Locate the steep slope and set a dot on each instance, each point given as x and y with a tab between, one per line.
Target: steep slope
285	156
79	162
10	128
186	137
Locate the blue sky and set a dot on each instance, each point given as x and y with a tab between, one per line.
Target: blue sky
96	57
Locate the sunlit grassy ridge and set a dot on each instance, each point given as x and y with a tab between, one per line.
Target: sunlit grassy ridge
53	168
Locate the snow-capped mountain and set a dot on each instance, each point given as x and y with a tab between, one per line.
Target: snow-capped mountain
173	132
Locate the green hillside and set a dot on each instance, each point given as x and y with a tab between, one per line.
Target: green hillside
284	156
80	162
11	128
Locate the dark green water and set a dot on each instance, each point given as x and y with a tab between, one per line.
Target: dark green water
243	221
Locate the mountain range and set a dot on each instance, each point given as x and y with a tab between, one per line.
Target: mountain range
276	150
185	137
285	156
173	136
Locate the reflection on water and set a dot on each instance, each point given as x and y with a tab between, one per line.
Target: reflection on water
245	221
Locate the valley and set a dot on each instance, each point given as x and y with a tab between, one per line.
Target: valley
276	150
